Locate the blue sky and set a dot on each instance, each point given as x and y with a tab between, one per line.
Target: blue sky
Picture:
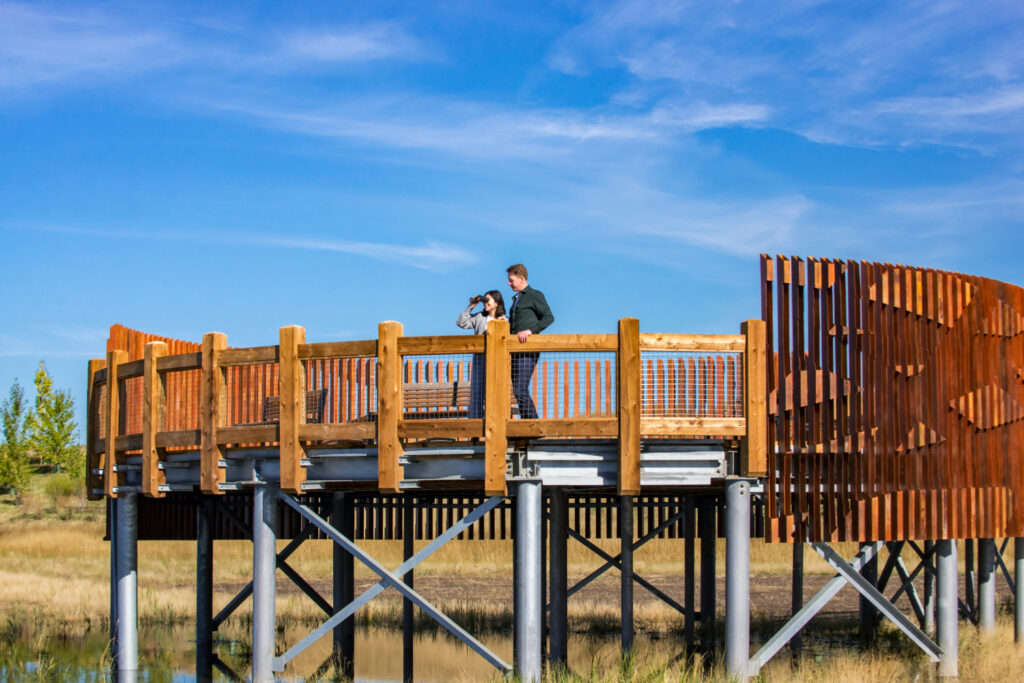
190	167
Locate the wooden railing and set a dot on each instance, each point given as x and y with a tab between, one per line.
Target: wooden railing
626	386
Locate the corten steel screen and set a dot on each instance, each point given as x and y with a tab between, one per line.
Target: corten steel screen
895	400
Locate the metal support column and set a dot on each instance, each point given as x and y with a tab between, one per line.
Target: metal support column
797	595
264	584
987	585
869	616
1018	604
112	533
737	579
707	520
558	647
343	519
626	575
929	591
528	615
408	609
947	612
689	584
204	589
127	584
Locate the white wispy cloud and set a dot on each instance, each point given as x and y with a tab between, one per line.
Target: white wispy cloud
894	74
353	44
430	255
40	46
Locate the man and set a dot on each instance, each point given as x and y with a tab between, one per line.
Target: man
529	314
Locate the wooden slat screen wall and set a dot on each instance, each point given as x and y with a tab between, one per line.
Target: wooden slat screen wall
896	402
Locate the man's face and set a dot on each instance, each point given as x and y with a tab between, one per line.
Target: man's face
516	282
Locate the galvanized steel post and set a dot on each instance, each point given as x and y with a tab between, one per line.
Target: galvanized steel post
264	584
408	609
557	541
343	585
529	619
987	585
1018	604
947	612
127	583
737	579
707	522
626	574
204	588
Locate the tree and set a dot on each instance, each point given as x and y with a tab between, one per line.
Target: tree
14	469
52	426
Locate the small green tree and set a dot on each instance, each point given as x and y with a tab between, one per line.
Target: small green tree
52	426
14	468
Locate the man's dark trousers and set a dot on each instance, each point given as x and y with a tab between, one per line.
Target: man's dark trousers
523	365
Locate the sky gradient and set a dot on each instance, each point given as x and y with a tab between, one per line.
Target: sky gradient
183	168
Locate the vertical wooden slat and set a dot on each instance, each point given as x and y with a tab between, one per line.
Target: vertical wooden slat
154	391
93	429
628	365
497	406
212	407
389	407
292	396
114	359
754	453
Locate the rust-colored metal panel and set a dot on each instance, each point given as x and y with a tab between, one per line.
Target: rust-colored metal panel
896	400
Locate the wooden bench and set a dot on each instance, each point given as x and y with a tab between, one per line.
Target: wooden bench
435	400
315	401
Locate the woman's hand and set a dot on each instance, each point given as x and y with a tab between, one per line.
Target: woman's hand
524	335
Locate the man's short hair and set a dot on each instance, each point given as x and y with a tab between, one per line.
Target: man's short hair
517	269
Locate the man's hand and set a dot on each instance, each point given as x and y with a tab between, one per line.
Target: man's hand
524	335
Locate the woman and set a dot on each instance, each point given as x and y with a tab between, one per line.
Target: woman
494	309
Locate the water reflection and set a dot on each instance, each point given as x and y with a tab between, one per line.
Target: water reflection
167	655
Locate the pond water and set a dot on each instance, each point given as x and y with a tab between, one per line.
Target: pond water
167	654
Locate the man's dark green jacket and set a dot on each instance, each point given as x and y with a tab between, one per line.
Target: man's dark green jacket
531	312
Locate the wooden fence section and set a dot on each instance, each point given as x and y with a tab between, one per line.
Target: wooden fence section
395	390
896	402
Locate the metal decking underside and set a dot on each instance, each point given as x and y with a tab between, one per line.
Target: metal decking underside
584	463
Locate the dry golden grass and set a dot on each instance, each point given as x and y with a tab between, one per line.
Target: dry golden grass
54	580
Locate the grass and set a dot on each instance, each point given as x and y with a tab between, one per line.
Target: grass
54	589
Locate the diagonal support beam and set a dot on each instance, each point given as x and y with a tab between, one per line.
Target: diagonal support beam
808	611
304	586
908	584
848	573
243	595
391	579
1002	565
927	566
615	562
582	583
865	588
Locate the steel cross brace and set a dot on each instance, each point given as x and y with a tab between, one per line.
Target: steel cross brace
895	562
847	573
391	579
285	553
926	565
1002	565
615	562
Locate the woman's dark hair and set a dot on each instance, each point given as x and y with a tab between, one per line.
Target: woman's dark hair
499	311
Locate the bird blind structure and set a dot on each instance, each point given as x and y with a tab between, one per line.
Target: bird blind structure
871	403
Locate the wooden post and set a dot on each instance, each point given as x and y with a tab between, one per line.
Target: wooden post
628	367
114	358
92	433
154	400
754	452
293	408
497	407
389	406
212	408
